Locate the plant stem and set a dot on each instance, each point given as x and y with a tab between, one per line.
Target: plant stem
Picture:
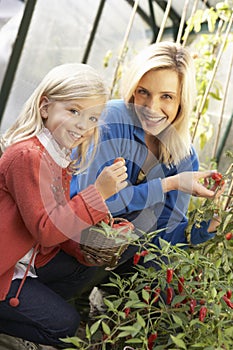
203	101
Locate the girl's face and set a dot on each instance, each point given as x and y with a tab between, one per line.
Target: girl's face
157	100
72	122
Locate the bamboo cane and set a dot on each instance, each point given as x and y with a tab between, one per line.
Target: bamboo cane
203	101
228	202
166	13
122	51
222	108
187	30
182	21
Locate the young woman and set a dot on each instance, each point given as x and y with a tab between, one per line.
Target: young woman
41	265
149	128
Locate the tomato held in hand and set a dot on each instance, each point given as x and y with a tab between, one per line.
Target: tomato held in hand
106	220
123	225
217	181
118	159
218	178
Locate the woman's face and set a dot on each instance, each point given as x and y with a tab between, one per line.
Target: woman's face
157	100
72	122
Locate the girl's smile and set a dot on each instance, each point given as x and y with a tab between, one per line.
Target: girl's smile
72	122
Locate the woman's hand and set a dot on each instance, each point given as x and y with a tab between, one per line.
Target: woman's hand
214	223
196	183
112	179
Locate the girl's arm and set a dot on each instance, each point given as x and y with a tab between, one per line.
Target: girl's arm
43	203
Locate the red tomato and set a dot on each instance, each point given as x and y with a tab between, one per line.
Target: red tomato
136	258
106	220
118	159
169	275
217	177
118	223
229	236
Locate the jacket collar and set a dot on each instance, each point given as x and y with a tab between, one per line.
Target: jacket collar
60	155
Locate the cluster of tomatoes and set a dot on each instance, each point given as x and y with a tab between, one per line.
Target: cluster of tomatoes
218	181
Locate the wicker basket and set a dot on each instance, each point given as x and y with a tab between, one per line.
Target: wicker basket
107	241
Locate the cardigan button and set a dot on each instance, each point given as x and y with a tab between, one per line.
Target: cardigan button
14	302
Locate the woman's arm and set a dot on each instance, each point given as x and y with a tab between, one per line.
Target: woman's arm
189	182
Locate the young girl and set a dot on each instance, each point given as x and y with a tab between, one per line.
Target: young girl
41	265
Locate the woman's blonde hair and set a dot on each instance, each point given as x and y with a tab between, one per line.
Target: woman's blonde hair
71	81
175	140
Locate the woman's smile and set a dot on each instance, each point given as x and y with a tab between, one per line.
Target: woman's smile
157	100
152	118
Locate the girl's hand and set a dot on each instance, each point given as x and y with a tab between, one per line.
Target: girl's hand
196	183
112	179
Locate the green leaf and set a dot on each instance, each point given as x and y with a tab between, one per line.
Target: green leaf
109	304
106	328
127	328
111	284
194	322
133	295
199	345
134	277
122	314
198	18
178	299
212	21
74	340
133	330
149	257
216	308
213	292
218	263
202	140
215	96
88	333
178	342
94	327
177	320
135	304
145	295
228	219
141	320
124	334
228	331
134	341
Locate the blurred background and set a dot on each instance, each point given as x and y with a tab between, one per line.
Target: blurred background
37	35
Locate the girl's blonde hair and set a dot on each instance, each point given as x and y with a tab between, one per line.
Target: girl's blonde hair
175	141
71	81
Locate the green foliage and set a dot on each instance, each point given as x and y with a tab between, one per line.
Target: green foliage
138	313
207	49
184	303
134	313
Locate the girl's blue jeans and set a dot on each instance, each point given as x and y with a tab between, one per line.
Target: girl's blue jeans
44	314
